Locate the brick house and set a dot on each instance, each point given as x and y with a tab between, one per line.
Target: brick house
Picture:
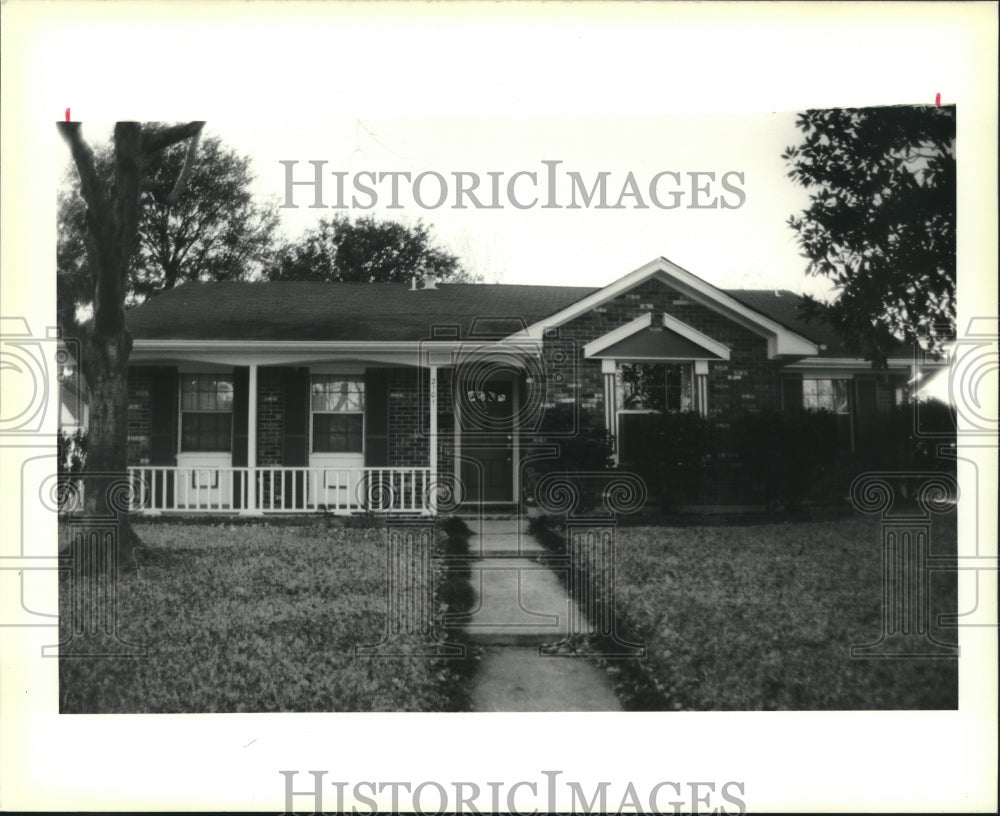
297	397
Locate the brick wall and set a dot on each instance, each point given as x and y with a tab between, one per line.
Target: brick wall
446	423
270	425
408	425
139	416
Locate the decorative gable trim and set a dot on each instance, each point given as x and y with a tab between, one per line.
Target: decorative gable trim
714	349
781	341
696	337
617	335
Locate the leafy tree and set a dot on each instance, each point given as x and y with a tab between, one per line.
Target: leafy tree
365	250
881	222
114	204
214	230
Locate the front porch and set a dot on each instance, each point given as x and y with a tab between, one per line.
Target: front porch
290	428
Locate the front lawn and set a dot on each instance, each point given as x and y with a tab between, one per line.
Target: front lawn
763	617
254	617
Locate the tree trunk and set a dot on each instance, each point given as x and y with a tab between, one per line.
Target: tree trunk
170	274
105	366
112	222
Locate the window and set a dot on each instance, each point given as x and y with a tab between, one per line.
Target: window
206	412
654	387
338	414
826	395
644	389
833	396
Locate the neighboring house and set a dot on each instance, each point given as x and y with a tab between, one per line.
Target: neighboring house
293	397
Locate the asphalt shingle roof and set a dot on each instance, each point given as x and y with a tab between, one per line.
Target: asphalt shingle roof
342	311
392	312
782	306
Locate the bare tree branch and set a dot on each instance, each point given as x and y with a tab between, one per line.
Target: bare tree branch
185	173
159	139
91	187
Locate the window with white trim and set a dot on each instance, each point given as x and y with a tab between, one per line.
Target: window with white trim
643	386
642	390
338	413
206	413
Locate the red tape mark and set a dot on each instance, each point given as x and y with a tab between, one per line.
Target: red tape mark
67	114
937	100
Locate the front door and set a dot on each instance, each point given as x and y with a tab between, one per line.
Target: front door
487	420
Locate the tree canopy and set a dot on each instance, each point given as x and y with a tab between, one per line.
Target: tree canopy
365	250
214	229
881	222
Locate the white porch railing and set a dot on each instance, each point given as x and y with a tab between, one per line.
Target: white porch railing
280	489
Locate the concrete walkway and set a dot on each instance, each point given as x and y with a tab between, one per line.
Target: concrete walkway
520	605
515	678
497	538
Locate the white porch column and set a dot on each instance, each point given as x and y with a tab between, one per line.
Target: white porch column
433	439
608	368
608	371
701	386
252	440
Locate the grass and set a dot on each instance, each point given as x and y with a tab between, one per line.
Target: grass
763	618
255	618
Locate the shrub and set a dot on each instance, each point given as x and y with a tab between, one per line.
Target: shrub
909	436
587	452
547	530
907	440
783	454
456	529
776	459
454	590
672	452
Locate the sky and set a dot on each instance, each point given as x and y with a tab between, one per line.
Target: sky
746	244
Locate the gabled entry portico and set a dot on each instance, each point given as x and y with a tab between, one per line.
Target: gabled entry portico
651	364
